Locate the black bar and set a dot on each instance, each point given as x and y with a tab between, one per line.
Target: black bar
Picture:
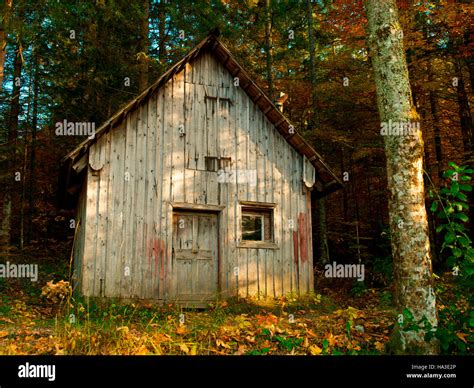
198	371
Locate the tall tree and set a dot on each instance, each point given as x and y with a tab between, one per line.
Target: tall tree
143	55
268	47
3	37
323	237
404	153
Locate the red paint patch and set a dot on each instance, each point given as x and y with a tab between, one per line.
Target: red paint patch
295	253
295	246
163	259
302	230
156	251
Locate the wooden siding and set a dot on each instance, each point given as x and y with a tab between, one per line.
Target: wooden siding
156	157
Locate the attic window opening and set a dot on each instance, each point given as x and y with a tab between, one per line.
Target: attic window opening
214	163
218	98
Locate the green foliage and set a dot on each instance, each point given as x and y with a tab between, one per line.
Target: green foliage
289	343
451	206
382	264
454	331
408	323
386	299
258	352
358	288
325	346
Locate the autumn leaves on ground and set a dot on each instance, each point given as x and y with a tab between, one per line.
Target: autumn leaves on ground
333	321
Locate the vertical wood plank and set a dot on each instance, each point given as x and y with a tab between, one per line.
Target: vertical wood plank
149	246
167	261
100	285
140	203
179	141
288	224
131	181
88	260
114	269
160	242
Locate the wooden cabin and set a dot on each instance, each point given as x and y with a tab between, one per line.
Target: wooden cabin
198	188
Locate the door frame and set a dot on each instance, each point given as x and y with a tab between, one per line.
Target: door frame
205	209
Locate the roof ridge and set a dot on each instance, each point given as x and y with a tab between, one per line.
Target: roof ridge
281	123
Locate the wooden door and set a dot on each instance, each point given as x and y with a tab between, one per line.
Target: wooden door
195	255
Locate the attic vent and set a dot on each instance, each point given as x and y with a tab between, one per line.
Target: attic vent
214	163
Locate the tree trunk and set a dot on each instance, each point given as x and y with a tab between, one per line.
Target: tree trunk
15	99
34	124
162	33
312	63
143	56
464	113
408	219
3	46
323	234
470	59
344	191
3	42
268	47
7	205
435	119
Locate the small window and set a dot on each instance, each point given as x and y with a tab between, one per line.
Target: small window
224	163
214	163
257	224
211	163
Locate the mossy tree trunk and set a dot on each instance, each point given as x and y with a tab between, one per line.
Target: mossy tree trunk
404	151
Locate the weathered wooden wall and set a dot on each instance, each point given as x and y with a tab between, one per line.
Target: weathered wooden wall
138	170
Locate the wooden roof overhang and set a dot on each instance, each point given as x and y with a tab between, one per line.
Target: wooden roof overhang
327	182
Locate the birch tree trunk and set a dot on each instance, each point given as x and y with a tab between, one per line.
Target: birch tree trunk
404	152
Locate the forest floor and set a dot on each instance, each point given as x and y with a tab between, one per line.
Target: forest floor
332	321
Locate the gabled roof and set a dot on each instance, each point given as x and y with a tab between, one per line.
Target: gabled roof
329	182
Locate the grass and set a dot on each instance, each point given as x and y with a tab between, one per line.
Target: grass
311	324
292	325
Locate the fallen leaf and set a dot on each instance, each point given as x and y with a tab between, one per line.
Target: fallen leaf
462	336
379	346
241	351
331	339
184	348
222	343
250	339
3	333
315	350
305	342
141	351
310	333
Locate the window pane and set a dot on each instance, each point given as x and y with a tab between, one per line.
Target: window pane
252	227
